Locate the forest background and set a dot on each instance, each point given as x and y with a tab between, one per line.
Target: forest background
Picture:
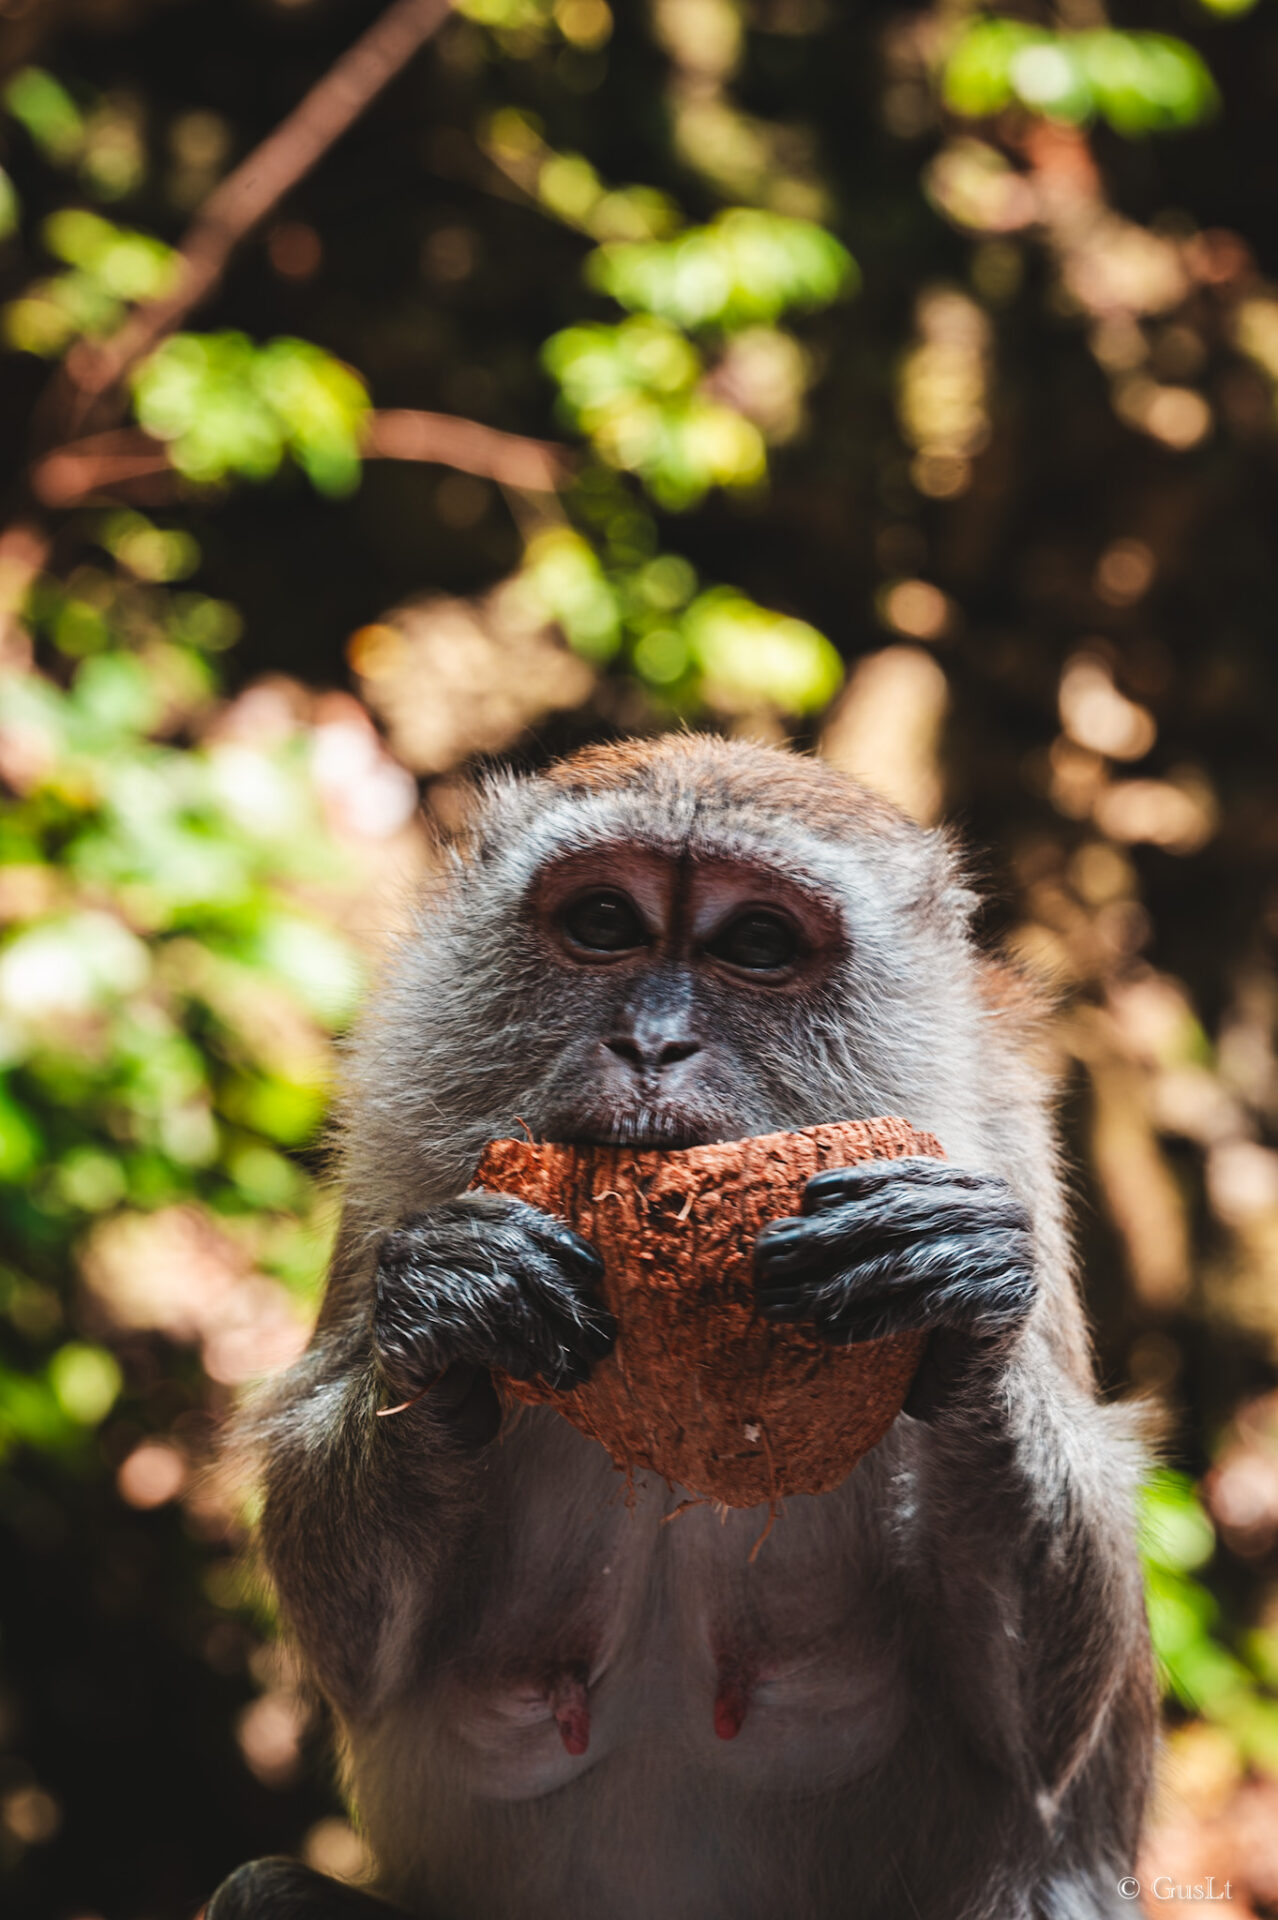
386	390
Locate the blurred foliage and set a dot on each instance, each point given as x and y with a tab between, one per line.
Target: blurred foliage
636	389
920	382
747	266
1138	82
1184	1617
227	407
167	986
109	267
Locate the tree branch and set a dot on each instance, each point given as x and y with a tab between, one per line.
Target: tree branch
248	193
402	433
104	462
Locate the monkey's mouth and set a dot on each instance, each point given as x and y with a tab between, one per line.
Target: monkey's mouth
662	1128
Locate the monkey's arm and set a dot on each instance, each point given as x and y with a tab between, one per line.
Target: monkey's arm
1027	1579
1029	1582
364	1508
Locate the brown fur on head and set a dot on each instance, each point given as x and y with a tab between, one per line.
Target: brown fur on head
732	775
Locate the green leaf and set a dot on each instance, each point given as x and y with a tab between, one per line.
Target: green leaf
977	77
125	264
86	1382
751	657
747	266
1147	82
1175	1531
1139	82
20	1143
10	210
30	1412
567	581
228	407
280	1109
44	107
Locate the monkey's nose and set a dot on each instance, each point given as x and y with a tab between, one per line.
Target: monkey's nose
662	1053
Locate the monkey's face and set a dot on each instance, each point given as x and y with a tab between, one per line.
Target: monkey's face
670	942
683	981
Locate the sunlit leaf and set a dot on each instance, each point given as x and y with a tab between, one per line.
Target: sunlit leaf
47	111
747	266
20	1142
86	1381
10	211
751	657
1138	82
1176	1532
126	264
228	407
564	573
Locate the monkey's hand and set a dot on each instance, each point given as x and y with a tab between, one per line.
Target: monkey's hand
901	1246
487	1281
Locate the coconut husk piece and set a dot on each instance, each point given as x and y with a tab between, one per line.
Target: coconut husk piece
700	1388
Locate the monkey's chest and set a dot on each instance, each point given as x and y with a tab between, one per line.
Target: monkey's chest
667	1646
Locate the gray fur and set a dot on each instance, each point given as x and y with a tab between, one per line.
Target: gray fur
955	1717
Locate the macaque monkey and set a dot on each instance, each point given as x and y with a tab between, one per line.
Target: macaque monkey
929	1696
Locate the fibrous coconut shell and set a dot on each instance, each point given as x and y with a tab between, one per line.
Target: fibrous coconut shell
699	1387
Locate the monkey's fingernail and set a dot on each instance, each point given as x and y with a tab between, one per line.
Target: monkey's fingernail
779	1248
579	1252
829	1189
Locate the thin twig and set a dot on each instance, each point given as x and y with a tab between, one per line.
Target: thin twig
406	433
97	464
248	193
104	462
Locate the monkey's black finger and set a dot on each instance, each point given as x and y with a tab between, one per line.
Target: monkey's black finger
923	1228
837	1186
574	1311
599	1334
783	1246
595	1334
588	1339
784	1287
903	1303
827	1243
786	1304
909	1211
565	1341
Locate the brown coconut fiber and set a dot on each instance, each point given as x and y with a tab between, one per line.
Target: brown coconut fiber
699	1387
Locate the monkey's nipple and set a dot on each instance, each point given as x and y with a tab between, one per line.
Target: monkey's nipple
570	1704
732	1700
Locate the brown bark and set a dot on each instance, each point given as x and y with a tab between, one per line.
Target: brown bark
101	463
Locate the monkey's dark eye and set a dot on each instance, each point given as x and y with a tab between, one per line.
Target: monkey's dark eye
757	941
604	921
